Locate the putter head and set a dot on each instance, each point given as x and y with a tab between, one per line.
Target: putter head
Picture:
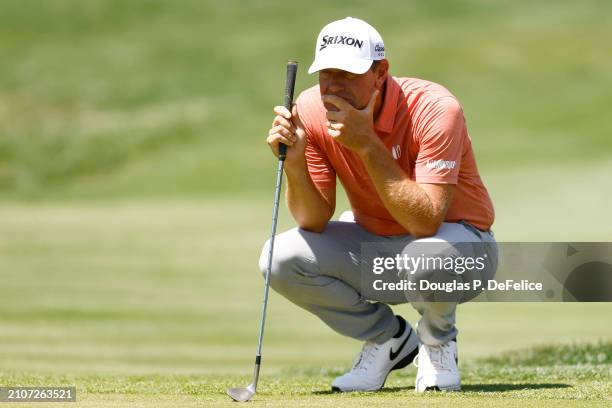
241	394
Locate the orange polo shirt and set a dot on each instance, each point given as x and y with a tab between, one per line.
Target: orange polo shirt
422	125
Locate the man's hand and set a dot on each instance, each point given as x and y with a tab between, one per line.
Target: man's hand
310	207
287	129
353	128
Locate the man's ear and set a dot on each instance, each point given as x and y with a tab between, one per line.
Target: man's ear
381	73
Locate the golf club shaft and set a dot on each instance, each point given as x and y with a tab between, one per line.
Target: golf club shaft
289	87
279	180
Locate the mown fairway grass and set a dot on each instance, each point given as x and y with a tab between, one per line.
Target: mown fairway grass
157	304
135	194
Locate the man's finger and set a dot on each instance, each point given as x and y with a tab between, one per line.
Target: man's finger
333	132
334	116
282	111
279	120
337	101
275	139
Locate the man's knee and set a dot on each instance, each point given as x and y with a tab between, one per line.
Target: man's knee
432	272
289	260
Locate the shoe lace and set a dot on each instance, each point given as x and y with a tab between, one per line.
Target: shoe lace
436	357
365	357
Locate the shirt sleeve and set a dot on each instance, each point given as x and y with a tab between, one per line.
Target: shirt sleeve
440	133
321	172
320	169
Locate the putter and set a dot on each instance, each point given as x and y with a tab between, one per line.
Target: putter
243	394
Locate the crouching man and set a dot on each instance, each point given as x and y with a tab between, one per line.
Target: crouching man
401	149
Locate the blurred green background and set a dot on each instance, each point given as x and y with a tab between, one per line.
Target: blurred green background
136	186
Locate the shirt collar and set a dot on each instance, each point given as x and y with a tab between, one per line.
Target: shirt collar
386	117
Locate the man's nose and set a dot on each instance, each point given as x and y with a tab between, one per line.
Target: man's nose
334	86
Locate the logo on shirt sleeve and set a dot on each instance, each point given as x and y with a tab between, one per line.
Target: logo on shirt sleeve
441	164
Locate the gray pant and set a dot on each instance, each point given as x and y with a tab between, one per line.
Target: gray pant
322	273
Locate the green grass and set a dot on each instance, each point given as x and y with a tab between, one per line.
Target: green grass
142	98
157	304
499	384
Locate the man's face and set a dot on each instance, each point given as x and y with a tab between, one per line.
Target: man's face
356	89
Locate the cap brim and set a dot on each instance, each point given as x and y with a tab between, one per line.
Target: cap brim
355	66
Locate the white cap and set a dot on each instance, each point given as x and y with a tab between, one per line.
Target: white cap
350	44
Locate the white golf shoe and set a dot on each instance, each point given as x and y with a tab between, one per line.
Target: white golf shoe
437	368
375	361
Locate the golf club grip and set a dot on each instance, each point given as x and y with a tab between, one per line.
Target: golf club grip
289	87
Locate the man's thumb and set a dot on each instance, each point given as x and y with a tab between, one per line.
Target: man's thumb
372	102
295	117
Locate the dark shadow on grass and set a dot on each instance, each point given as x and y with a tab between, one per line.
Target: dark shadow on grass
495	387
383	391
503	387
